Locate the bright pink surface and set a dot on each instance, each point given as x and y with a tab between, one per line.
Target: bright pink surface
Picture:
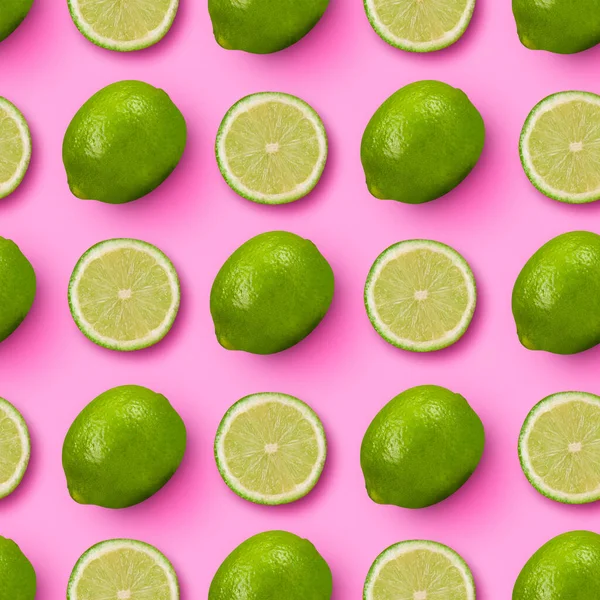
344	370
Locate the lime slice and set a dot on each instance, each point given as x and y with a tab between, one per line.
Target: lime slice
270	448
419	26
559	447
271	148
15	147
15	448
123	26
420	295
123	570
124	294
560	147
419	570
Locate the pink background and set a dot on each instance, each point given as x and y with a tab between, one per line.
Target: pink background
344	370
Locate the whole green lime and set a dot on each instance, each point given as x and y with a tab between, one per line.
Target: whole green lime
273	564
17	287
123	447
565	568
561	26
421	447
123	143
12	14
270	293
263	26
421	143
556	298
17	576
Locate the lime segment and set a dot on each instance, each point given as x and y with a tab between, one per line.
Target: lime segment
14	448
15	147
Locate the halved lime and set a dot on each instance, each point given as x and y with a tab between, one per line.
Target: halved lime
419	570
271	148
15	448
15	147
123	26
420	25
420	295
124	294
270	448
560	147
559	447
123	570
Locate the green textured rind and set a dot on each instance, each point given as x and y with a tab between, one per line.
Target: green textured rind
548	493
310	184
258	498
19	116
411	347
123	346
13	14
18	418
434	546
161	559
565	568
16	572
536	181
269	564
421	447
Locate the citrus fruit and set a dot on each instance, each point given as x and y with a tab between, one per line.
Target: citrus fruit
420	26
565	568
16	572
558	25
419	570
12	15
124	294
270	448
270	293
559	447
263	26
122	447
123	143
560	147
556	298
420	295
123	26
421	447
123	569
15	147
271	148
17	287
421	143
269	565
15	448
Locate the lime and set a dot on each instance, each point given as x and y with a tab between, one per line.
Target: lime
123	143
123	570
12	15
16	572
565	568
421	143
560	147
124	294
123	26
15	147
123	447
420	295
556	298
271	148
270	448
419	570
273	564
421	447
17	287
559	447
270	293
558	25
420	26
263	26
15	448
